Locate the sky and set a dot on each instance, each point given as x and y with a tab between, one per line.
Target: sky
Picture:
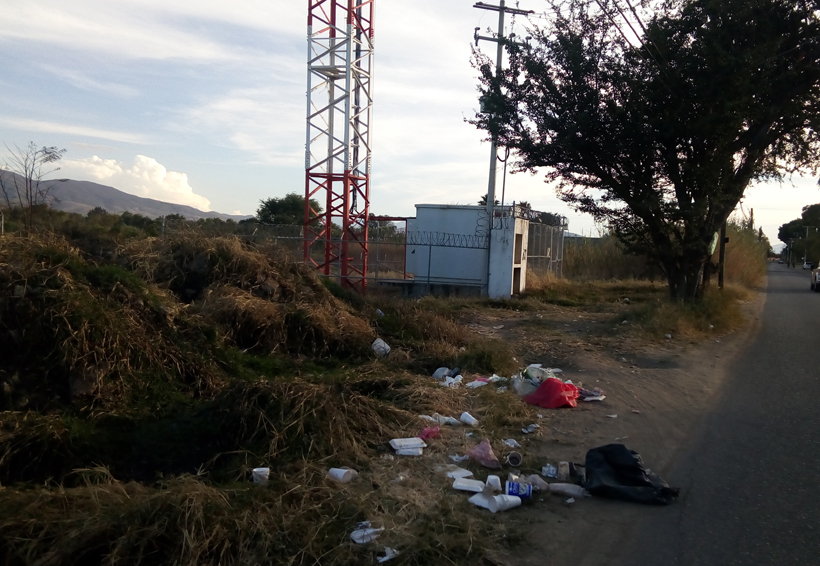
203	103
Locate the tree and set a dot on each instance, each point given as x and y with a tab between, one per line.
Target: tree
21	182
660	138
289	209
483	200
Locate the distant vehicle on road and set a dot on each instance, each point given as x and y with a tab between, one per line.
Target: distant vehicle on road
779	261
807	265
815	280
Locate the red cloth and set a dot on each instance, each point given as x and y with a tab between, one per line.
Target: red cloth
553	393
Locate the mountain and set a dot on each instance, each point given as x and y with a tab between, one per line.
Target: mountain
82	196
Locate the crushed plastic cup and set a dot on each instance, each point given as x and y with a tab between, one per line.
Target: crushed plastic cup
389	554
380	347
503	503
514	459
364	533
512	443
522	490
260	475
468	419
342	475
481	500
494	482
465	484
442	420
529	429
379	313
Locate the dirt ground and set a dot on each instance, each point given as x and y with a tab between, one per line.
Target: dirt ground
659	391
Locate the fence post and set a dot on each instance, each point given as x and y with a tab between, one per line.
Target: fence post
2	223
429	255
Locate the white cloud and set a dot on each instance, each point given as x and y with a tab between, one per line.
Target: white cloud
145	178
267	122
70	129
84	82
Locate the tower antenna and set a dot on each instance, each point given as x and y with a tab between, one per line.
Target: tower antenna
337	148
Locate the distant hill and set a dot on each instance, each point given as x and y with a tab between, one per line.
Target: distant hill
83	196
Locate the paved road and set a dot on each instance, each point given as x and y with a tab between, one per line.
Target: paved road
751	480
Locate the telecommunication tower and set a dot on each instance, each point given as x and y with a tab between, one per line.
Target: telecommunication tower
337	150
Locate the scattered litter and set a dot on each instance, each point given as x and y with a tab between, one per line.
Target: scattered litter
554	393
523	386
400	478
549	471
616	472
459	473
503	503
441	373
612	416
568	490
497	378
364	533
389	554
529	429
540	416
668	336
493	482
484	455
456	458
499	327
501	389
622	438
595	394
570	501
470	434
380	347
468	419
429	432
379	313
626	300
342	475
514	459
511	442
451	381
428	418
442	420
465	484
476	383
563	471
481	500
408	446
387	457
636	411
522	490
535	481
260	475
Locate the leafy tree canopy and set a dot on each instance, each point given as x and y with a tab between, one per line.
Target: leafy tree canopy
289	209
659	136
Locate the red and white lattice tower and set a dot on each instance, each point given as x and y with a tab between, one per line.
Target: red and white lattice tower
337	152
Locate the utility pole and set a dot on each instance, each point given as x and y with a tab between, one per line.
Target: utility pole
722	254
499	56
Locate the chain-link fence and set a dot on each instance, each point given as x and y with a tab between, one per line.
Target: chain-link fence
397	256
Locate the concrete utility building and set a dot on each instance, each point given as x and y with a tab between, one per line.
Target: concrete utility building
455	249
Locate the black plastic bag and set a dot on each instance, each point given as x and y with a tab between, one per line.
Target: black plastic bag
614	471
